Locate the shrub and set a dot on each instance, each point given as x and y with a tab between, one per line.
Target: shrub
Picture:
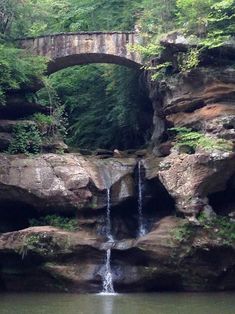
26	139
45	123
189	60
182	233
69	224
42	119
28	244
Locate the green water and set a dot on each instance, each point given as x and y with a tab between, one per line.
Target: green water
156	303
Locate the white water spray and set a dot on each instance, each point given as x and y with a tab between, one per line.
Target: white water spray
141	227
108	279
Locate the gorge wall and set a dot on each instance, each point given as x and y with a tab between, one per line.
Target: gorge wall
179	252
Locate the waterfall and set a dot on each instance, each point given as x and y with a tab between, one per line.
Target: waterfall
141	227
107	278
108	218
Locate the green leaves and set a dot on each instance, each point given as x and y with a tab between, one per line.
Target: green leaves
189	60
68	224
17	68
26	139
222	226
211	20
103	105
194	139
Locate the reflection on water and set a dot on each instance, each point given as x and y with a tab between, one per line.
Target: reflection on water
156	303
107	304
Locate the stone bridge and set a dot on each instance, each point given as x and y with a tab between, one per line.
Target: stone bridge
70	49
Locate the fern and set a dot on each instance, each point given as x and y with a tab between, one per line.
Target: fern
194	139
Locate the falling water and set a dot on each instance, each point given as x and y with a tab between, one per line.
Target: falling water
108	219
107	278
141	229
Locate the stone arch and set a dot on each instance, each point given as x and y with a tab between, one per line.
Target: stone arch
69	49
88	58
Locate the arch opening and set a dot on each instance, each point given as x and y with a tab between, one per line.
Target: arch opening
107	106
90	58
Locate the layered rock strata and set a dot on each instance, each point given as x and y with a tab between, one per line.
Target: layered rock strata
49	259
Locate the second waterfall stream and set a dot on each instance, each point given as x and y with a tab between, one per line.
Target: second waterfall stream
141	226
107	277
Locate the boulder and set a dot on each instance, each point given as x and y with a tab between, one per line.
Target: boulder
54	183
189	179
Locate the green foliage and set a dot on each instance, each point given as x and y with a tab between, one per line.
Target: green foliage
189	60
183	232
211	20
156	17
194	139
36	17
10	11
29	243
103	105
147	51
69	224
222	226
159	71
26	139
193	14
43	119
17	68
56	122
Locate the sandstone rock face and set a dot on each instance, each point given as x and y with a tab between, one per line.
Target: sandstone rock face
191	178
64	182
36	256
202	99
49	259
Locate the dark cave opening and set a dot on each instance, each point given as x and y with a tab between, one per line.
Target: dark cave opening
156	204
223	202
15	215
157	199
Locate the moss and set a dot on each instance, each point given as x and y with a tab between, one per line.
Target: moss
183	232
222	227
